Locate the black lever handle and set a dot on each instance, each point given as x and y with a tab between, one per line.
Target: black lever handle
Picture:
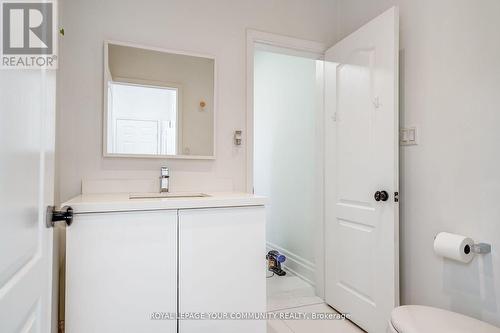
381	196
53	215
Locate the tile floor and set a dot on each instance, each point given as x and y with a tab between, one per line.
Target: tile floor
292	294
289	291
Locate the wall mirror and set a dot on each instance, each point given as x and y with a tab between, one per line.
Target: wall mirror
158	103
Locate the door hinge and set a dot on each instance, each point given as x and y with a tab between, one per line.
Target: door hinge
396	196
53	215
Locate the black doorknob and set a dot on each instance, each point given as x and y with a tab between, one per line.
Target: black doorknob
381	196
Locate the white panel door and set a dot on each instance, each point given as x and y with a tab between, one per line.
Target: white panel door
222	268
120	268
362	158
27	119
137	137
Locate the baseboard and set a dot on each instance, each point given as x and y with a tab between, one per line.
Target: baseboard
297	265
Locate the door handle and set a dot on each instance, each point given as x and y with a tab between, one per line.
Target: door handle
53	215
381	196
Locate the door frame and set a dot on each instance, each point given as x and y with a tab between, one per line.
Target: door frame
297	47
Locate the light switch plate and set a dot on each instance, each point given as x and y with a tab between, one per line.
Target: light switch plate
408	136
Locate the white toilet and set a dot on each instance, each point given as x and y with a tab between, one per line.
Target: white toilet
426	319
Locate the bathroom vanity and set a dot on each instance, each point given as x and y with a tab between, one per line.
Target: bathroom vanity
165	264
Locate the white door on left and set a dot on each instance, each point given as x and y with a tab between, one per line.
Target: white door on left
27	121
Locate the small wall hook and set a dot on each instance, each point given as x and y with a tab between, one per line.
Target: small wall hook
203	104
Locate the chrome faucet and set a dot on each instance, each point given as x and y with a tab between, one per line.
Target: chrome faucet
164	180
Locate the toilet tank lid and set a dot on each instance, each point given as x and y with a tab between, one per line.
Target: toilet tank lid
426	319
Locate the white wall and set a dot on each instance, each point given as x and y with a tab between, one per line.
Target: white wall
449	83
287	150
212	27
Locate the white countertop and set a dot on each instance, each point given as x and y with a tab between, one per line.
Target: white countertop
96	203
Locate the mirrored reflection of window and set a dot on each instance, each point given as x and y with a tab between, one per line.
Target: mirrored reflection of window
142	119
158	104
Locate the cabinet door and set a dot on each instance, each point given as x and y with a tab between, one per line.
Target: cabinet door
121	267
222	267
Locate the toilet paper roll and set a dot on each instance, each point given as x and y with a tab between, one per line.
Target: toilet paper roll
452	246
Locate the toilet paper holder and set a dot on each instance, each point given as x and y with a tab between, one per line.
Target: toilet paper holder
481	248
458	247
477	248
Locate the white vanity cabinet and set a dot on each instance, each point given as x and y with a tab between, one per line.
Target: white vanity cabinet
221	268
121	267
127	260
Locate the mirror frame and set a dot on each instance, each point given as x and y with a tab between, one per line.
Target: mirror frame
107	77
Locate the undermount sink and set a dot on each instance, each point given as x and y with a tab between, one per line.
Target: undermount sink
167	195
